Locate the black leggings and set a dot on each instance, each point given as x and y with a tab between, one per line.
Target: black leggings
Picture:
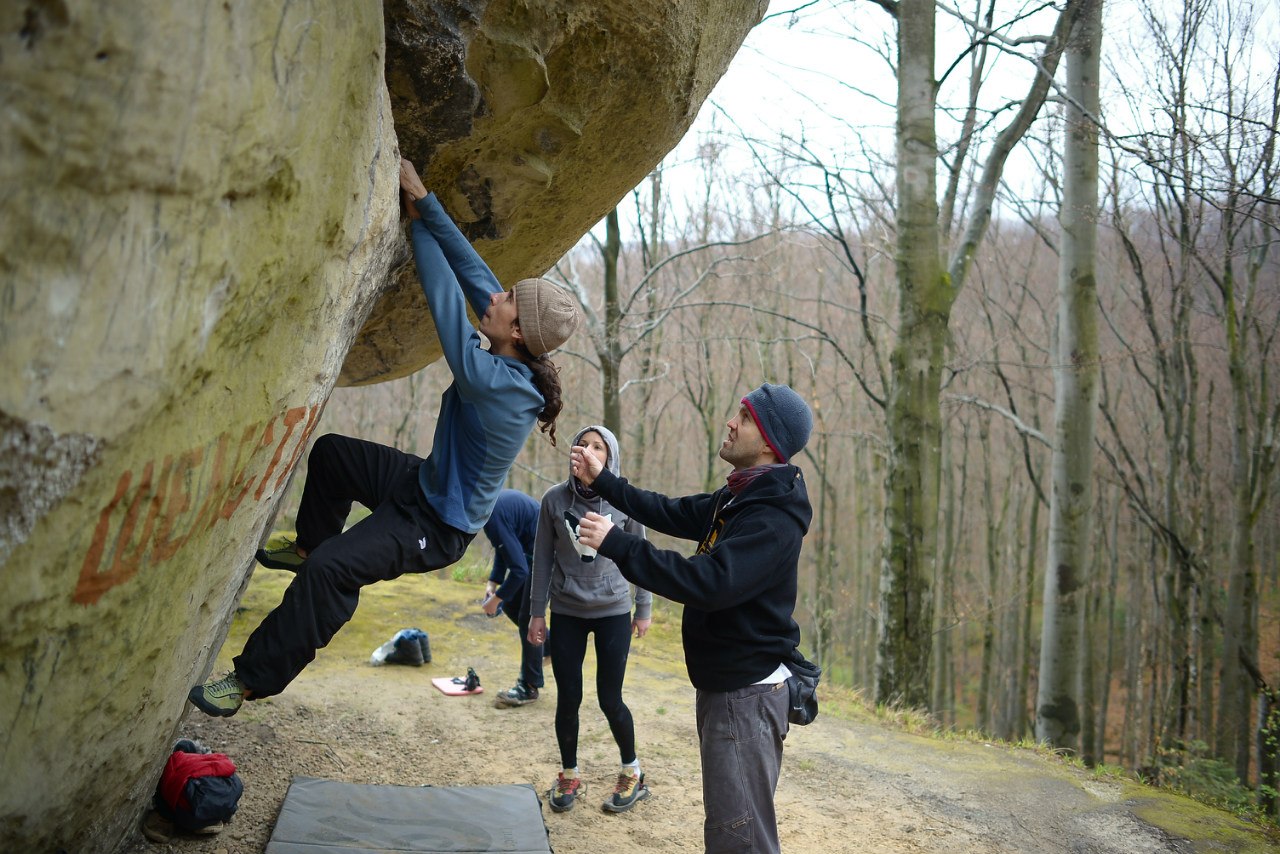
568	650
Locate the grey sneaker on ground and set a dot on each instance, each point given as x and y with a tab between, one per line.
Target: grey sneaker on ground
286	557
519	694
566	790
625	795
221	698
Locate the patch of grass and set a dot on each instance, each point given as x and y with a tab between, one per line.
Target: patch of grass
906	719
470	569
1110	772
1191	770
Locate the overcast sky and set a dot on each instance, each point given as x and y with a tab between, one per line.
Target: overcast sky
822	70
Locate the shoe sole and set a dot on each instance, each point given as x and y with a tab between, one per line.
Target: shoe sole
261	557
555	808
157	829
582	789
641	794
196	697
209	830
503	703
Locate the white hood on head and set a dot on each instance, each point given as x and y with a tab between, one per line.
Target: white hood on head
610	442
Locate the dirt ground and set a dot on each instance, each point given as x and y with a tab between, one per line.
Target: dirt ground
848	784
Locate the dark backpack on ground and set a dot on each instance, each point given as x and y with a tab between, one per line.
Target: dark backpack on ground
803	687
204	800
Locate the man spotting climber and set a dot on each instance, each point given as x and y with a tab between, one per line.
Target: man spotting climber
739	593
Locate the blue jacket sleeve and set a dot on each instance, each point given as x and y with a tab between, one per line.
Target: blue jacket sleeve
444	280
517	566
474	276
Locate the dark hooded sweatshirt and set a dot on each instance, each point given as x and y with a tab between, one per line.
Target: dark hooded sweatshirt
739	588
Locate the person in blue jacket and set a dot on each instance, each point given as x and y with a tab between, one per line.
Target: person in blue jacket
511	530
425	512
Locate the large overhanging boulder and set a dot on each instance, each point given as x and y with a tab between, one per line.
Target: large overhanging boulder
535	119
200	212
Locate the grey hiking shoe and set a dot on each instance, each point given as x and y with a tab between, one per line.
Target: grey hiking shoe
519	694
625	795
286	557
566	790
221	698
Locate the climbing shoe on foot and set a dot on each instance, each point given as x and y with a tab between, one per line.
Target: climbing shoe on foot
519	694
630	789
221	698
566	790
286	557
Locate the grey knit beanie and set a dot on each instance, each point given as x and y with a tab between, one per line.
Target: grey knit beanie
782	416
546	313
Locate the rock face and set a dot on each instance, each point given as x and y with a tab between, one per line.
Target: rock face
534	119
199	215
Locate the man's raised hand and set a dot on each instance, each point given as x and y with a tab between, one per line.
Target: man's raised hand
593	528
586	465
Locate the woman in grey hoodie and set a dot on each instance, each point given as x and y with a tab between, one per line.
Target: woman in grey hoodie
587	595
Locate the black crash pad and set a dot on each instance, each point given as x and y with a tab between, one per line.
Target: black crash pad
329	817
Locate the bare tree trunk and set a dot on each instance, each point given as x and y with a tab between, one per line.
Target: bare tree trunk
912	413
987	687
824	600
1268	739
1208	633
1028	603
1086	680
650	245
1108	665
1090	673
1132	670
611	355
1076	396
943	602
1235	699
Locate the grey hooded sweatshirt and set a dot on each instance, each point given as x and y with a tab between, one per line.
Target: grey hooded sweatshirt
578	585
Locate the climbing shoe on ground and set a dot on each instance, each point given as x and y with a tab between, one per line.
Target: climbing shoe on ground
472	681
221	698
286	557
629	790
565	791
519	694
157	828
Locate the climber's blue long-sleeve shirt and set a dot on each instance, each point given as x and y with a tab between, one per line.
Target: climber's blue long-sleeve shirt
492	405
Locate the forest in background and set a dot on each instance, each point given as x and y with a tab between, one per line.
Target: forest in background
885	273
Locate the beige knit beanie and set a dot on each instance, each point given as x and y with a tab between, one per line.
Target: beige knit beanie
546	313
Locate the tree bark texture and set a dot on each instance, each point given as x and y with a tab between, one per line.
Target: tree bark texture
611	356
912	415
1076	395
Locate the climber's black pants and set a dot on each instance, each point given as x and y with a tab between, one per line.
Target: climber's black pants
402	534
